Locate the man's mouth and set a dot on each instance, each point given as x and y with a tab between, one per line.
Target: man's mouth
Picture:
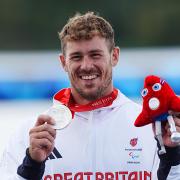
88	77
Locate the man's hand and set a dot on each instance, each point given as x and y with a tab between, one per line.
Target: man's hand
42	137
167	133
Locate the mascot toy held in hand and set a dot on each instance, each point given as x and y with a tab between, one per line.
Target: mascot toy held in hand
158	100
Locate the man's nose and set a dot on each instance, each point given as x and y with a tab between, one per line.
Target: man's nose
87	63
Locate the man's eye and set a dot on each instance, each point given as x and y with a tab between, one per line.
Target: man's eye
96	56
75	58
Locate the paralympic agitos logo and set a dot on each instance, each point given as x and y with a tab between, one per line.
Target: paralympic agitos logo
133	155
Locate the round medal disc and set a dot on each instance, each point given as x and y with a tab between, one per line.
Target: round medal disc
61	114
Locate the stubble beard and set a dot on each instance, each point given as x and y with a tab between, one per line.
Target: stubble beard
100	91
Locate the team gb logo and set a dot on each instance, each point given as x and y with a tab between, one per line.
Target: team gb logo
133	142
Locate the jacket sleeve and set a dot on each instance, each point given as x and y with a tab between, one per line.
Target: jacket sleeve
169	166
14	153
8	167
31	169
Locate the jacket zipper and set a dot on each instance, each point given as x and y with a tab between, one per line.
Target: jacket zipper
93	142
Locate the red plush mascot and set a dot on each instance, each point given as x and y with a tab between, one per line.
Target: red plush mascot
158	100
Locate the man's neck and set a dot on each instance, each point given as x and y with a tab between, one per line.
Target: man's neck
82	101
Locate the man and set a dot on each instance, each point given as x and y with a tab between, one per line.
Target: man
101	142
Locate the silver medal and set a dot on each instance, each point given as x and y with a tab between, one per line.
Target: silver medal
61	114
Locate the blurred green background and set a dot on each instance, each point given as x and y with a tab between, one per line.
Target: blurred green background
34	24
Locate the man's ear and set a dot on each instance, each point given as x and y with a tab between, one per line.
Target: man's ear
63	61
115	56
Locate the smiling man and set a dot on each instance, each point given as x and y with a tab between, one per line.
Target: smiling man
89	65
101	142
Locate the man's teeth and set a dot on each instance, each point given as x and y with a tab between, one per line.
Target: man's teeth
88	77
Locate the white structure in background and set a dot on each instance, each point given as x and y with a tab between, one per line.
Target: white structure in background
45	65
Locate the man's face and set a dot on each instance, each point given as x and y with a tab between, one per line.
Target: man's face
89	66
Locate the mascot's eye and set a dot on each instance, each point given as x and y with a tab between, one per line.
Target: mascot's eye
144	92
156	87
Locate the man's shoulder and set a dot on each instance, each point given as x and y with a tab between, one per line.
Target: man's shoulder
127	103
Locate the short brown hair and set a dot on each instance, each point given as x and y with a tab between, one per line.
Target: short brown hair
84	27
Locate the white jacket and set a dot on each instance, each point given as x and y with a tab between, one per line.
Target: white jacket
100	144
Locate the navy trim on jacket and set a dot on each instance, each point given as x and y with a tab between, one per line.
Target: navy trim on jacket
30	169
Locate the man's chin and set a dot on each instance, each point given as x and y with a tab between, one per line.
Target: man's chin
90	94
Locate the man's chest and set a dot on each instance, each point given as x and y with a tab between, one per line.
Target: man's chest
101	148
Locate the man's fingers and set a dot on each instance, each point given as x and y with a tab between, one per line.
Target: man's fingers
178	129
39	143
44	127
175	114
168	132
177	121
44	119
42	135
166	127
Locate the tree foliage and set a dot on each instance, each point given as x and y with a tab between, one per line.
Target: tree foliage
34	24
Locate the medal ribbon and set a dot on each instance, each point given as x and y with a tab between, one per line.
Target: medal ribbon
65	97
